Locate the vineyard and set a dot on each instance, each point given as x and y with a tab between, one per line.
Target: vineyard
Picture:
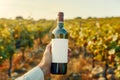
95	45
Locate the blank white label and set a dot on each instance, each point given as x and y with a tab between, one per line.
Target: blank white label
59	50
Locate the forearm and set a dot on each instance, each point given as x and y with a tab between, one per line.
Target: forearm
34	74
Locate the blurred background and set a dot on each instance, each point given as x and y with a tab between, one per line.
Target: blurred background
94	37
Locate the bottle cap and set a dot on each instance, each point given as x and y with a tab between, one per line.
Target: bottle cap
60	16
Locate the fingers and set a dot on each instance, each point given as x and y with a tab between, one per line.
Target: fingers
48	48
69	52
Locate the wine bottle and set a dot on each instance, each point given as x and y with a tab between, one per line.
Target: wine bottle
59	47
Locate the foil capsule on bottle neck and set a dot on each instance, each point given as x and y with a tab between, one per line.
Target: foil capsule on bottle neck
61	16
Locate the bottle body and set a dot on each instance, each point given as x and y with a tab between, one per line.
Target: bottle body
59	49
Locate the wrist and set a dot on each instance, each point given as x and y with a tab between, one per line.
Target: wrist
43	68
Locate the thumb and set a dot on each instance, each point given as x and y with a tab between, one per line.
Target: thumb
48	48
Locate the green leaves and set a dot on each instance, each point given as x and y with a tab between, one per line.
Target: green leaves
15	34
3	56
117	48
102	37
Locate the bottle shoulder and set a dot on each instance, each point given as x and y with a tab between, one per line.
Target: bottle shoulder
59	31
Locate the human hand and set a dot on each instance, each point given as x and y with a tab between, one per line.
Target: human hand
45	64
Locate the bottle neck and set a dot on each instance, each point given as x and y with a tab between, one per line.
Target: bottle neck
60	24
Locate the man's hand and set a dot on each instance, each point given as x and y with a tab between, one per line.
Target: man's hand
45	64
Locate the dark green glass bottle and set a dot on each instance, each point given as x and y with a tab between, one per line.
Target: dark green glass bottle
59	47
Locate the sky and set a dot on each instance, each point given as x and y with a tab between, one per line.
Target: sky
48	9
